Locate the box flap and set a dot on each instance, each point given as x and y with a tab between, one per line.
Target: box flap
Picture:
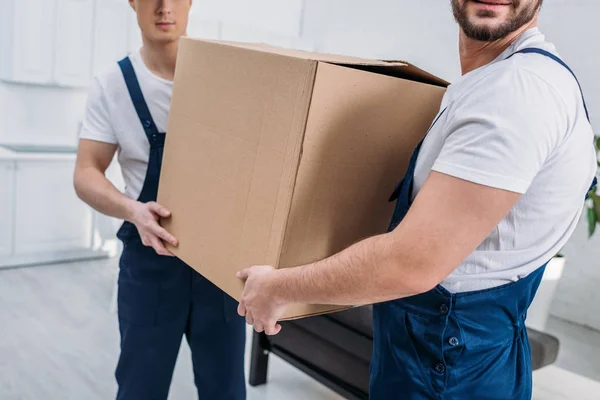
402	69
397	68
306	55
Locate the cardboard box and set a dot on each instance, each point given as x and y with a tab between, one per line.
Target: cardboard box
283	157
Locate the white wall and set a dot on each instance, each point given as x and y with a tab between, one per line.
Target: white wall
423	32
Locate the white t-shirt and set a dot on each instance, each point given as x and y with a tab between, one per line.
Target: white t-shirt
110	117
516	124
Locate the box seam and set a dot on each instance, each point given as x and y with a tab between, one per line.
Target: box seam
311	75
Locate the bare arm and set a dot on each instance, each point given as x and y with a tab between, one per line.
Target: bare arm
432	240
92	186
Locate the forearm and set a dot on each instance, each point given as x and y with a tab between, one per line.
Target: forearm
377	269
412	259
92	186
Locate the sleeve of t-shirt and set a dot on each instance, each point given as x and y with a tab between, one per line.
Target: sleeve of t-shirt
502	131
97	124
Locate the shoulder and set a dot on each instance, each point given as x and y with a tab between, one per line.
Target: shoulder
511	80
103	104
546	71
517	95
512	101
532	81
108	82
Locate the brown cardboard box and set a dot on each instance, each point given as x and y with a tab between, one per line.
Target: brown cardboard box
283	157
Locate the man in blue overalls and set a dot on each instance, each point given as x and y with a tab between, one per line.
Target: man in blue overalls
491	194
159	297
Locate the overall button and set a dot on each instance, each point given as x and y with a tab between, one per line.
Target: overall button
440	368
147	123
443	309
453	341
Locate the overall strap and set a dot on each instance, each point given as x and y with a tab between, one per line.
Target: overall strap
534	50
137	97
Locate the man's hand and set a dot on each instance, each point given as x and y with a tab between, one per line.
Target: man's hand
145	217
258	303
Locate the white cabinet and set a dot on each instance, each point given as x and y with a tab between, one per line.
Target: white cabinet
41	218
63	42
73	43
7	181
112	20
49	218
27	40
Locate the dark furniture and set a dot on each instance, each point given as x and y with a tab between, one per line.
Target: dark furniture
335	349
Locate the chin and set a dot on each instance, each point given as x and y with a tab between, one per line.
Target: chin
165	37
486	23
487	20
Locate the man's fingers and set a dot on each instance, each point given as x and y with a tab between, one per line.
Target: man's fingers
249	319
241	310
160	248
258	327
273	329
158	209
164	235
243	274
150	240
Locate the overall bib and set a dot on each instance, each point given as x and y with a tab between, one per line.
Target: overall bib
440	345
161	298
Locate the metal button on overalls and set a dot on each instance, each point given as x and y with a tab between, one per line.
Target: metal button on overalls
443	309
440	368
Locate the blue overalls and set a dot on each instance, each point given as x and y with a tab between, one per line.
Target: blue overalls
440	345
161	298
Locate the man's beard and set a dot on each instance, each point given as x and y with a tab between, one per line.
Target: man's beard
486	34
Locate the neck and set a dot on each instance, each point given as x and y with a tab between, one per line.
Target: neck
160	58
475	53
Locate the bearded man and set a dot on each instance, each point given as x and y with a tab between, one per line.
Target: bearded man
492	193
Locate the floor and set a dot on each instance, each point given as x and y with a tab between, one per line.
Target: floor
59	341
